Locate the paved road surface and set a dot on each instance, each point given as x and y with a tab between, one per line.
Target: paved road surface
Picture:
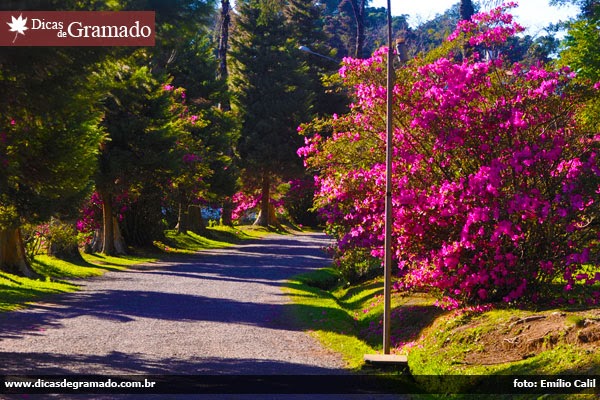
218	312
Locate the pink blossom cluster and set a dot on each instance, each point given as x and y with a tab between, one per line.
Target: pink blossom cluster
488	28
91	213
244	202
495	185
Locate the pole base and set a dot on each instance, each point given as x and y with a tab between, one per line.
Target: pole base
386	359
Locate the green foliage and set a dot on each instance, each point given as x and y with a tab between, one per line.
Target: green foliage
358	265
140	120
306	22
34	239
62	238
581	52
49	134
325	278
143	124
267	85
581	49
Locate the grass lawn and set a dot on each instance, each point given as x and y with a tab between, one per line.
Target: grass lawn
443	343
214	238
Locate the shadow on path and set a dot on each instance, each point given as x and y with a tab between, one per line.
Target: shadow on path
138	365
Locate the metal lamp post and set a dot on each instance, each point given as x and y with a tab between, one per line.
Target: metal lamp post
387	261
387	358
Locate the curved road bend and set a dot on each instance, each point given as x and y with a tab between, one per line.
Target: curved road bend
217	312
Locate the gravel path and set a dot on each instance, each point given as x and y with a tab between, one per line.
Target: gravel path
218	312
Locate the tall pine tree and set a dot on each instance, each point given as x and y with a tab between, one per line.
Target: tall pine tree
267	80
48	141
142	124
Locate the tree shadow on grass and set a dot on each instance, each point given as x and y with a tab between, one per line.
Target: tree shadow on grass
408	320
11	295
407	323
368	292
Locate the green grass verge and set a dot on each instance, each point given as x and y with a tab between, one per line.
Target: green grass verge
17	291
347	320
214	238
55	274
446	344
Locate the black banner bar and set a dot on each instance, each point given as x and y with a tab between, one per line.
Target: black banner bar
298	384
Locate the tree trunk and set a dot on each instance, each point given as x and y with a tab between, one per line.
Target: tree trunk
190	219
119	242
222	72
195	221
265	216
358	7
112	240
182	219
226	216
12	253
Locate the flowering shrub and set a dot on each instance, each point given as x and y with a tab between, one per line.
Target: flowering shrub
247	202
495	185
244	202
90	219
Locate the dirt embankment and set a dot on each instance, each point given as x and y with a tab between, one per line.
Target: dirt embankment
522	337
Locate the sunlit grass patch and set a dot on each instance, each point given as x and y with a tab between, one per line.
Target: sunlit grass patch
54	267
216	237
348	319
103	261
16	291
53	275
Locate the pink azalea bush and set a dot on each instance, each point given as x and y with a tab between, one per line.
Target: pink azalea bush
90	218
496	186
248	201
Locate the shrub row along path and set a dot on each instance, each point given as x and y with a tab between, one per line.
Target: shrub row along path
220	311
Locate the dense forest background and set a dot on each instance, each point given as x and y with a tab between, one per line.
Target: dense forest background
105	148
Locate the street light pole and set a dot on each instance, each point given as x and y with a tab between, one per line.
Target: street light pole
387	262
386	357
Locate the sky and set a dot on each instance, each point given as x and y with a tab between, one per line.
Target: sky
532	14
